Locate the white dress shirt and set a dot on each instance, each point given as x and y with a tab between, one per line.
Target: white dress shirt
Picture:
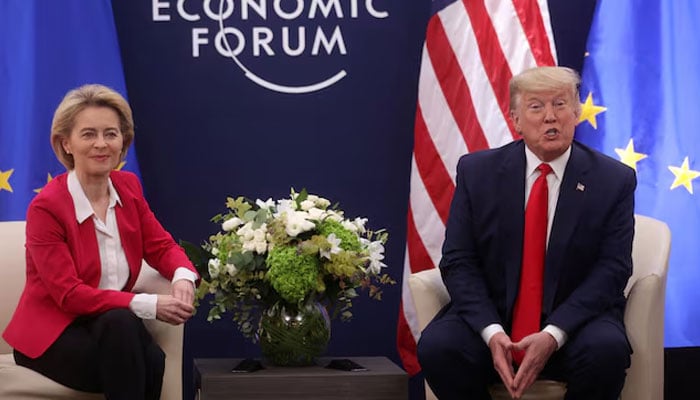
553	184
115	269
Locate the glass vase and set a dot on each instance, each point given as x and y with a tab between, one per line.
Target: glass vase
294	336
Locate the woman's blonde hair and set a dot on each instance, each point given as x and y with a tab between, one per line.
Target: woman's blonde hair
75	101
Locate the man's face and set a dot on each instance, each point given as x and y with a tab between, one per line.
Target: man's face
546	120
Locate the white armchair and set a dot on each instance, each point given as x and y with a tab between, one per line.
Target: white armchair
17	382
644	315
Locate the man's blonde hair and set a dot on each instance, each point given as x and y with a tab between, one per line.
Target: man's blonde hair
545	79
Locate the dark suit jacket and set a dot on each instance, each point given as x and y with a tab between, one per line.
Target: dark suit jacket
63	261
588	259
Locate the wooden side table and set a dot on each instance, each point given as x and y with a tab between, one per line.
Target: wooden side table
383	380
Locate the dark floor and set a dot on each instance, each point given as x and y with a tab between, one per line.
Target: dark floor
682	372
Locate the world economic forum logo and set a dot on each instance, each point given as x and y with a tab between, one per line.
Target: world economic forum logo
265	31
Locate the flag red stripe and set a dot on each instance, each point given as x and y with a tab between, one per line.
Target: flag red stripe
406	345
419	260
531	19
454	86
418	256
432	171
492	57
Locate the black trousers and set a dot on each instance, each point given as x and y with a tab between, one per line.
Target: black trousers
457	363
112	353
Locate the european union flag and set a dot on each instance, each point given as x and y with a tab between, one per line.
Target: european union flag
46	49
641	81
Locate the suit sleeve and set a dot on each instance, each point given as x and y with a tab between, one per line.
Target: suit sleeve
50	253
460	266
603	287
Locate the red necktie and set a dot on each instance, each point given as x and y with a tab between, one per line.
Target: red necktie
528	305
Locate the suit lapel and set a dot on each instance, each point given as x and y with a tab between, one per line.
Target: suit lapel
511	203
566	216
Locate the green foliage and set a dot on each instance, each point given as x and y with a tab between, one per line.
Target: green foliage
292	275
349	240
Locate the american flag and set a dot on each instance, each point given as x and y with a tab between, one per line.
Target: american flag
472	49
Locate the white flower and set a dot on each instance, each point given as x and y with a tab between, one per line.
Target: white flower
260	233
307	204
231	224
258	246
360	223
214	265
285	206
335	249
265	205
261	246
335	215
316	214
319	201
296	223
349	225
246	232
231	269
376	255
253	239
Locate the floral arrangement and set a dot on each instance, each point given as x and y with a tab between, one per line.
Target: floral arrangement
288	252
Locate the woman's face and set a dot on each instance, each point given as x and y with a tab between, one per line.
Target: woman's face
96	142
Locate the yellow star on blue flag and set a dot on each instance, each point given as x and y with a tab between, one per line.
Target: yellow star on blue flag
684	176
48	179
629	156
5	180
589	111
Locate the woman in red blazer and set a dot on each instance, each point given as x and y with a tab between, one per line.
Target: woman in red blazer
88	230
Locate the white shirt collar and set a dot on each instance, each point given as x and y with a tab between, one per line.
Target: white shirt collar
83	209
558	164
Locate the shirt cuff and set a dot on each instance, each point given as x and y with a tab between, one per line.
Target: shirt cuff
488	332
184	273
144	305
557	333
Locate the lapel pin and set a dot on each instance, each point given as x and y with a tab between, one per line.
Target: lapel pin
580	187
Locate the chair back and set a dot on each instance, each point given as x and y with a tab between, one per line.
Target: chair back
12	273
650	250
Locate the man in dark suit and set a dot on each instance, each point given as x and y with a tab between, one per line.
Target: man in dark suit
579	337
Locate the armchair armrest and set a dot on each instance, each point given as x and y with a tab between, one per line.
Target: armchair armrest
429	294
168	337
645	307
